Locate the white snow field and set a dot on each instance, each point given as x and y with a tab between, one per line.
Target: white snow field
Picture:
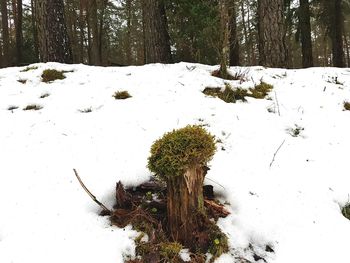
282	165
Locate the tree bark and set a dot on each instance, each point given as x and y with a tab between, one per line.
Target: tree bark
234	45
93	23
224	37
184	204
272	32
53	38
5	34
156	37
305	33
337	29
128	31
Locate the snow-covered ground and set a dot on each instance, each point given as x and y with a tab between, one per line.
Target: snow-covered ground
284	191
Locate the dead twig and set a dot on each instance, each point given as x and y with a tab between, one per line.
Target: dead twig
273	159
104	208
278	106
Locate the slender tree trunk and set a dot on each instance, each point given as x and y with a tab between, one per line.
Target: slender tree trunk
305	33
35	31
245	32
93	22
81	31
5	34
272	33
156	37
337	34
19	32
234	44
224	37
128	32
184	204
101	32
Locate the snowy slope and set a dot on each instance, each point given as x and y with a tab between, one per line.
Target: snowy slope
290	202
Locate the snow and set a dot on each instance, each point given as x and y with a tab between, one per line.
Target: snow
291	203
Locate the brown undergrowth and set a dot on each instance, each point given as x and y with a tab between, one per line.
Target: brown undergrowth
144	207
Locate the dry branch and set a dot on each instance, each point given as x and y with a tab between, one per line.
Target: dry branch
274	156
104	208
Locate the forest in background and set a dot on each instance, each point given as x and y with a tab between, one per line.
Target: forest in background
274	33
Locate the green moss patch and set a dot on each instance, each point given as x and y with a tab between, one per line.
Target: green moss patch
44	95
29	68
50	75
121	95
232	95
12	107
178	150
346	211
260	91
32	107
23	81
347	105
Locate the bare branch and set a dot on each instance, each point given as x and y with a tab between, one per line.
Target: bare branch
273	159
105	209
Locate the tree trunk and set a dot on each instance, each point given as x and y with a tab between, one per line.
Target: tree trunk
224	38
337	25
184	205
54	42
305	33
271	29
5	34
245	32
128	32
234	45
93	23
19	32
156	37
35	31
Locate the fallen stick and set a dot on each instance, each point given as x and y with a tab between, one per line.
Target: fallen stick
273	159
104	208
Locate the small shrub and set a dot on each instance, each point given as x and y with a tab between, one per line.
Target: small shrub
121	95
32	107
346	210
178	150
29	68
346	105
52	75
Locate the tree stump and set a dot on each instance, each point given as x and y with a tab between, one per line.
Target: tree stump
185	204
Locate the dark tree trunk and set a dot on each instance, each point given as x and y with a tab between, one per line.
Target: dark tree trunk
156	37
234	45
337	28
5	34
54	42
185	204
35	31
19	32
272	33
305	33
93	23
128	32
